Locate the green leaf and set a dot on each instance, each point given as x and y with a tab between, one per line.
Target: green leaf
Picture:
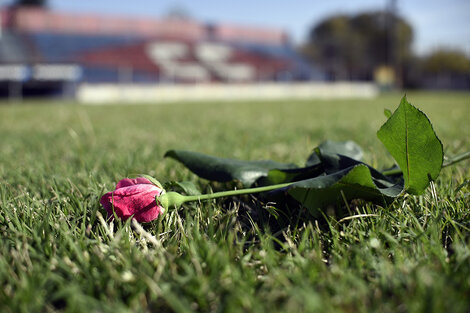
328	162
333	163
316	164
186	187
279	176
355	182
152	180
224	170
387	113
409	137
348	148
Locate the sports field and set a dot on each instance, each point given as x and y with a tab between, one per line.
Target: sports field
58	253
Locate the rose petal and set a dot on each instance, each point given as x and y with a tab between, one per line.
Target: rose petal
137	200
136	189
149	213
132	181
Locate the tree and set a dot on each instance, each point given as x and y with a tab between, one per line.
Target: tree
352	47
446	69
446	61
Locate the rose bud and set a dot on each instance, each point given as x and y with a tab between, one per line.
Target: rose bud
133	198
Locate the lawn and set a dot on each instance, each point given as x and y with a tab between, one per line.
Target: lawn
58	252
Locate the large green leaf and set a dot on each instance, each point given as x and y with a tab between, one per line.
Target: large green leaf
348	148
333	163
328	162
410	138
186	187
222	169
355	182
328	157
280	176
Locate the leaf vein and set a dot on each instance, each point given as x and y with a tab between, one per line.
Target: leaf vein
406	150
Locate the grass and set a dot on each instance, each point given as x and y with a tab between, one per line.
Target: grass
57	252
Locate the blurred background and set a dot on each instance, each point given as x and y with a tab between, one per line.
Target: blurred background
98	51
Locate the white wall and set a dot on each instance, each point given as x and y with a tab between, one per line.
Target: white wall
112	93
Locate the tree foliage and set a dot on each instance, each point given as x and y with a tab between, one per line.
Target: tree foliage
446	61
351	47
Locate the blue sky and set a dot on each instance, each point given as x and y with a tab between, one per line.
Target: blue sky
435	22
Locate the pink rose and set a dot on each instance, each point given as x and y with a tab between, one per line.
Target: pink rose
133	197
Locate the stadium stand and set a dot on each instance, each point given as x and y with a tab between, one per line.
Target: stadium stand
13	49
53	47
108	49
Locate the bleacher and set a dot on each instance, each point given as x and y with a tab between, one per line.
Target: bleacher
149	50
300	69
56	47
103	58
24	71
13	48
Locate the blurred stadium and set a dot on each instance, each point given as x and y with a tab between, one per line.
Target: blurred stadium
44	52
105	58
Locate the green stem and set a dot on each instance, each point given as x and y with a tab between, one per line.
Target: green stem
457	158
170	199
450	161
230	193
